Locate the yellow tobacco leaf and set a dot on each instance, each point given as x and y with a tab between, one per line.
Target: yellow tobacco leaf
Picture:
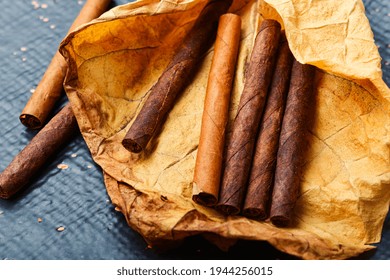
115	60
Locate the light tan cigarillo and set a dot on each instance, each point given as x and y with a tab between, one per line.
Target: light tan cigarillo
215	115
50	88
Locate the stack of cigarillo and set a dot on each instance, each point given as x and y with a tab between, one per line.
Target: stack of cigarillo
256	173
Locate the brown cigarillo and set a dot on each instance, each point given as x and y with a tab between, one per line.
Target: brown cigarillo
175	77
289	160
207	173
45	144
264	160
50	88
240	147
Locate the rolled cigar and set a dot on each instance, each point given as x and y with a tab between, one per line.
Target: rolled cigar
175	77
264	160
208	166
240	147
289	160
50	88
45	144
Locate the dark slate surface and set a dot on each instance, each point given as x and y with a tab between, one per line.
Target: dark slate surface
75	198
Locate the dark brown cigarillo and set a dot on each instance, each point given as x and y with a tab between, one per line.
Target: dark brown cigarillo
45	144
50	88
175	77
240	146
264	160
289	160
209	157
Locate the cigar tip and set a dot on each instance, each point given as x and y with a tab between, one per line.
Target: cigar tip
229	210
131	146
205	199
231	16
3	193
30	121
280	221
266	23
254	213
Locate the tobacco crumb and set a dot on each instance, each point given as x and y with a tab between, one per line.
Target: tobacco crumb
164	198
35	4
60	229
39	220
62	166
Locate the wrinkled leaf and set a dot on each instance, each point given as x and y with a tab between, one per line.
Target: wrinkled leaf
115	60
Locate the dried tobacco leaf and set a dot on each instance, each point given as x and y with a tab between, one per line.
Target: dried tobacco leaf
115	60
